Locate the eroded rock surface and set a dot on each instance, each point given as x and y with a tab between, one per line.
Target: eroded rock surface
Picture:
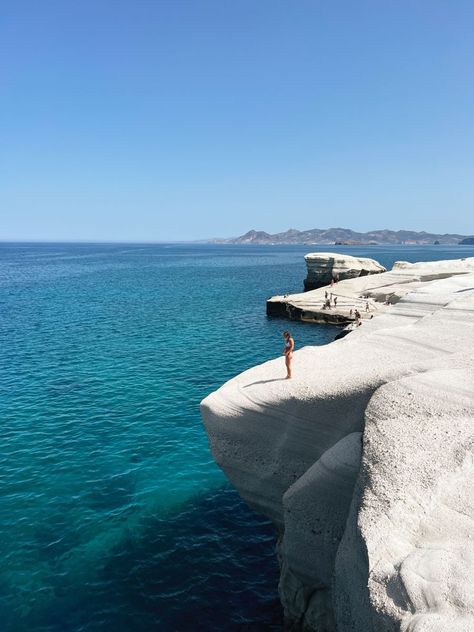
371	294
324	266
364	461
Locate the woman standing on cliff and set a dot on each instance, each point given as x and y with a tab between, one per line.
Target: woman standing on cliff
288	352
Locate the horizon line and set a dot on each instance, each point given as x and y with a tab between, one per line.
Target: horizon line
204	242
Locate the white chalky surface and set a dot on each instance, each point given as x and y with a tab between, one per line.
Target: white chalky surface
384	542
376	289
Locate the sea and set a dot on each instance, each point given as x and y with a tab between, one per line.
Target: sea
113	514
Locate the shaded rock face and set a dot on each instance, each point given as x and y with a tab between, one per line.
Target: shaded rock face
364	461
324	266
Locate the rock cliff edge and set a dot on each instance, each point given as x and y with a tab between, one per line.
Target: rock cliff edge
324	266
365	463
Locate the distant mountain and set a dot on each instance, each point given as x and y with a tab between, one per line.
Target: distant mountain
342	236
468	241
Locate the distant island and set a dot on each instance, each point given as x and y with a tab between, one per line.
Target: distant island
345	237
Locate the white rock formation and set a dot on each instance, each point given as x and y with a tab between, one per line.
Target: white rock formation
387	287
383	542
323	266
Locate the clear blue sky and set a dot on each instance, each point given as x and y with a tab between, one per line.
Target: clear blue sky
152	120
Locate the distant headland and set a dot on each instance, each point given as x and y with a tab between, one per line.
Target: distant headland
345	237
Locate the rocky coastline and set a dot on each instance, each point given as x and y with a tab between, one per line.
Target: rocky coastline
370	293
365	460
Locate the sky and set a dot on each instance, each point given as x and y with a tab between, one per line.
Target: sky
146	120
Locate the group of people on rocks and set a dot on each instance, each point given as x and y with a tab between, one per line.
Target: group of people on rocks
290	343
357	315
329	300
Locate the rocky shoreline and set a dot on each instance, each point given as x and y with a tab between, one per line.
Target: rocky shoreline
370	293
364	461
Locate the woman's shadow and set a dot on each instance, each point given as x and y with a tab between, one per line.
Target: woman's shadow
276	379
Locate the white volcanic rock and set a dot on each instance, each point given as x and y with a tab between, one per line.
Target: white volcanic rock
377	290
406	561
311	539
327	486
324	266
384	543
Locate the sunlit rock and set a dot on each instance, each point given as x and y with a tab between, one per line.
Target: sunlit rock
364	461
324	267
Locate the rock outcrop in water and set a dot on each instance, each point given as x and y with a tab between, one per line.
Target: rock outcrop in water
365	463
324	266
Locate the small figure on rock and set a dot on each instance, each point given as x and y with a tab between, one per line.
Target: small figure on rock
288	352
335	301
367	306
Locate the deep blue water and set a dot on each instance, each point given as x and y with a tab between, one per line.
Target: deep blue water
113	514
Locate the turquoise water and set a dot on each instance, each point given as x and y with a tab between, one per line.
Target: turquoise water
112	510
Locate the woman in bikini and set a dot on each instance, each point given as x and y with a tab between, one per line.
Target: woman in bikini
288	352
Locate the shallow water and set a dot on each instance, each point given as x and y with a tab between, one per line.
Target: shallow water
112	510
